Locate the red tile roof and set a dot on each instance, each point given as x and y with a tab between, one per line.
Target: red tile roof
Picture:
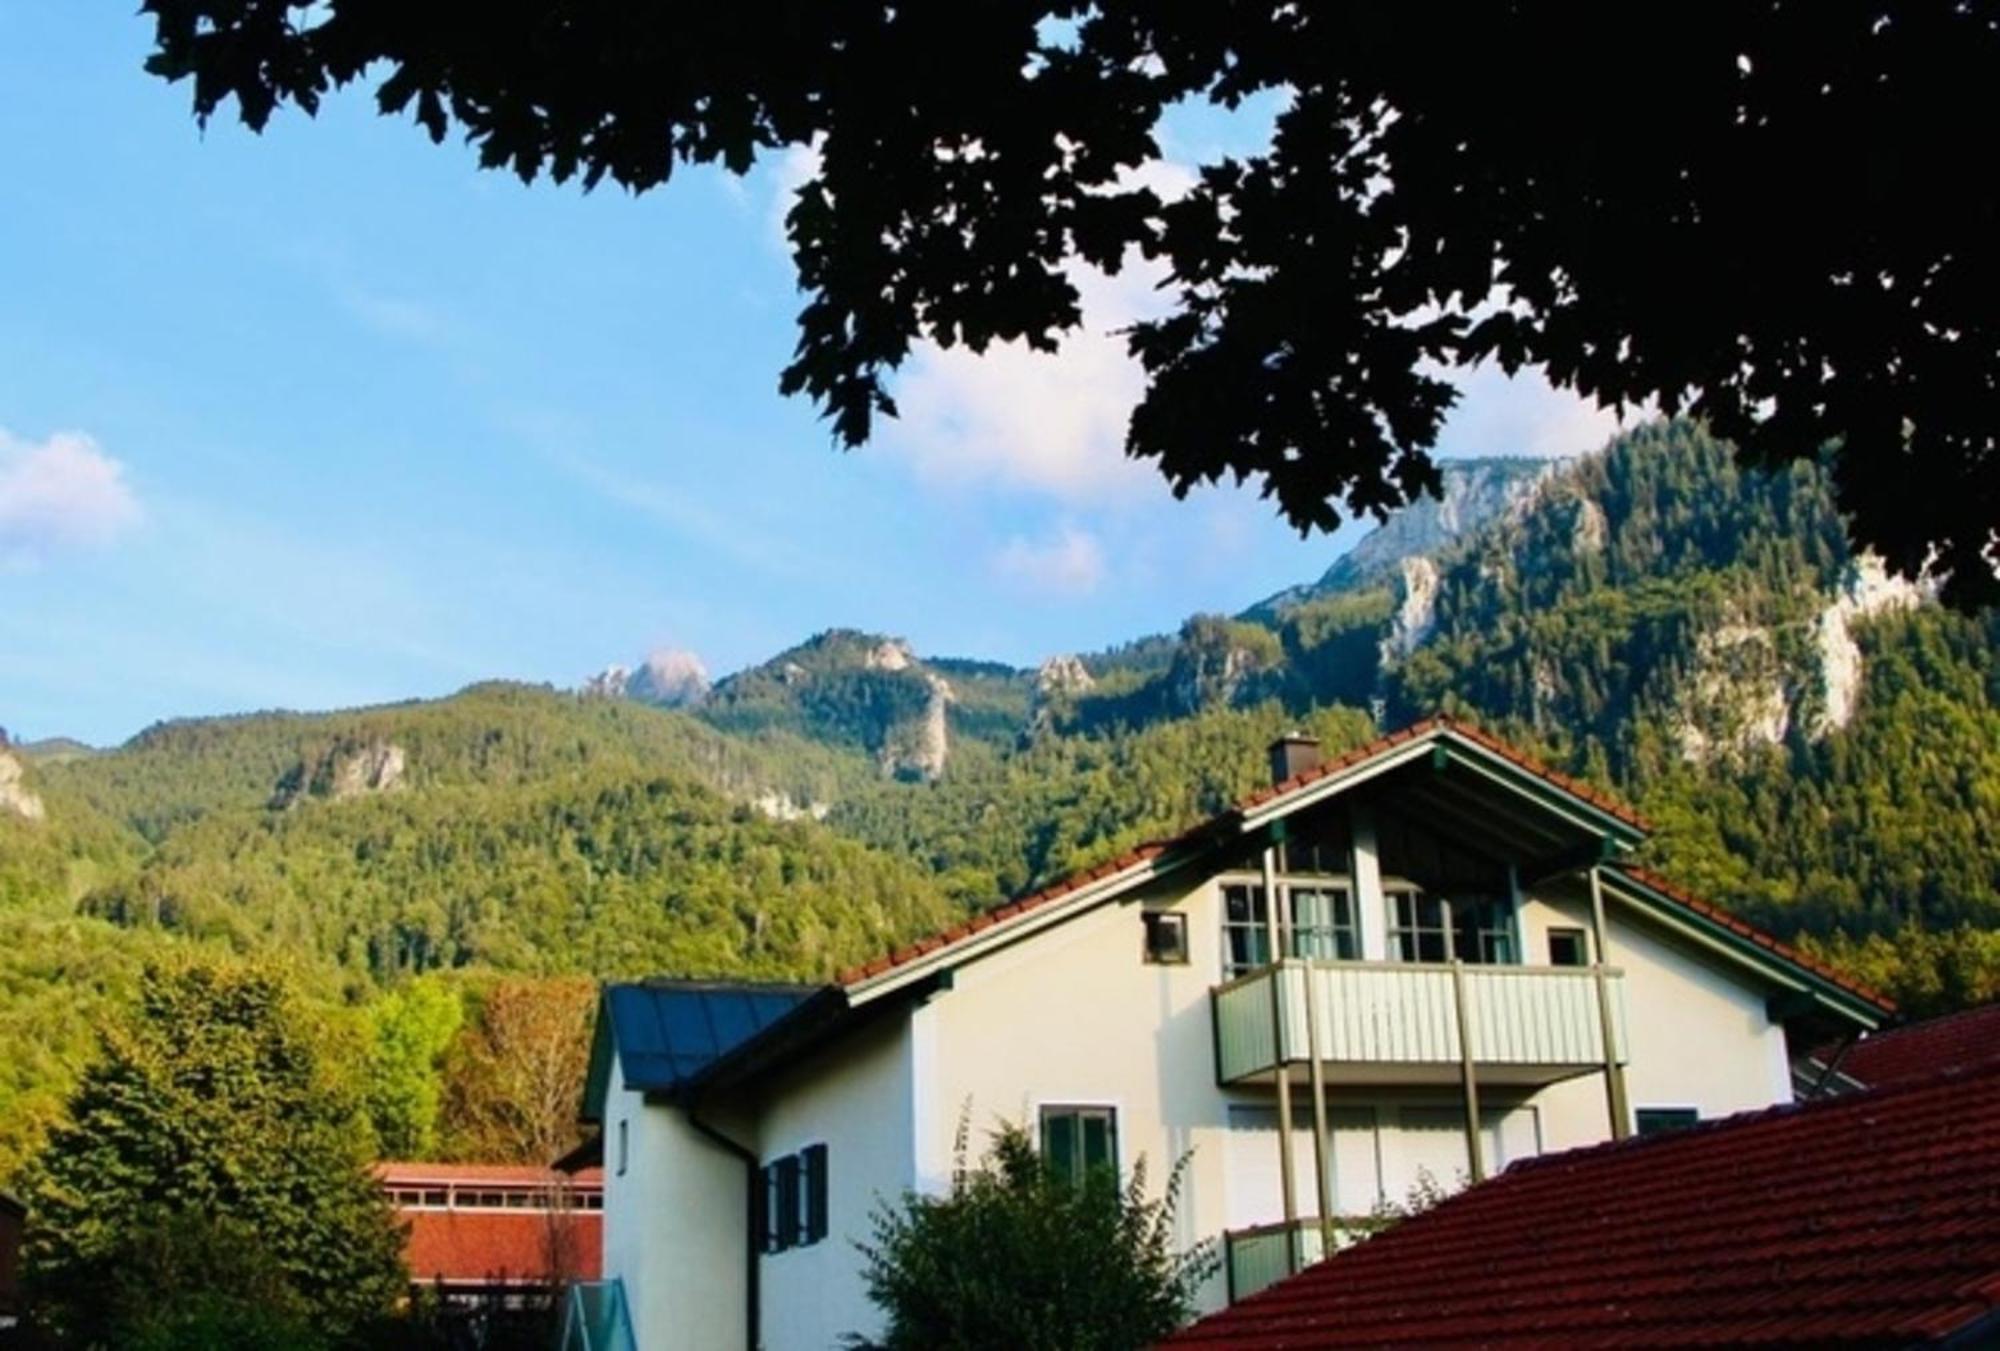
1708	910
409	1173
1922	1049
1870	1220
503	1247
412	1173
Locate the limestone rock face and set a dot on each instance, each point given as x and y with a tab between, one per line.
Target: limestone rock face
15	797
920	749
349	769
669	677
891	654
1736	697
1059	682
1867	590
609	683
1416	608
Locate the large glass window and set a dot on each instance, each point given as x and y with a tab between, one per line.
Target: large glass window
1317	921
1246	941
1077	1141
1483	930
1417	931
1322	923
1428	928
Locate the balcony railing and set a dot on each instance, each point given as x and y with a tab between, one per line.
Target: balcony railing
1530	1024
1268	1253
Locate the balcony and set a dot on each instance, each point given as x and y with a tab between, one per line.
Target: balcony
1399	1022
1268	1253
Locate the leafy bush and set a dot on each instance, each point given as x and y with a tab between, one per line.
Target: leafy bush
1016	1256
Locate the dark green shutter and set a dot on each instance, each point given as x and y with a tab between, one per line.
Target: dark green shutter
815	1167
788	1202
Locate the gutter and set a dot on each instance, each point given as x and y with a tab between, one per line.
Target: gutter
752	1258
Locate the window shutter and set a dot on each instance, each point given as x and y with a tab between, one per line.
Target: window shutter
788	1202
815	1161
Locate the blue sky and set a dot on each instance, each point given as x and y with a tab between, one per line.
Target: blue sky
328	417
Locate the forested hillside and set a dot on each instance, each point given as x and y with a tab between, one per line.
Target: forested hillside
1820	748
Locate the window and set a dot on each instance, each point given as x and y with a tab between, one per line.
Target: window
1245	940
1483	929
1166	937
1428	928
1322	922
1317	921
622	1153
1417	930
1568	947
1079	1140
794	1213
1658	1120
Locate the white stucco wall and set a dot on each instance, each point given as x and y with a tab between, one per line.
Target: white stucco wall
1699	1032
856	1100
675	1226
1075	1016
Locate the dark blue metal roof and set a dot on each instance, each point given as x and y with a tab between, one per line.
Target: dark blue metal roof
666	1032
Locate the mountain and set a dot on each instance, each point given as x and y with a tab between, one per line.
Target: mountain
1818	744
1476	492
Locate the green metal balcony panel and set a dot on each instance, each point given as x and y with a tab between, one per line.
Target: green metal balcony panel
1389	1013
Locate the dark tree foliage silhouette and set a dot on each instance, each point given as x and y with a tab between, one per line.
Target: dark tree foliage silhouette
1767	214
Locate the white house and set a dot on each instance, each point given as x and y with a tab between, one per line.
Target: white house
1467	973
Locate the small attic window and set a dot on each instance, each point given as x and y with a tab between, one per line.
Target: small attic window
1166	938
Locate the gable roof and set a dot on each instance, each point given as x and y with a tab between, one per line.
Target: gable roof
664	1033
1860	1221
1918	1050
1483	762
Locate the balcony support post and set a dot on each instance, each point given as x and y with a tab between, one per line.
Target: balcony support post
1274	936
1475	1144
1615	1099
1322	1142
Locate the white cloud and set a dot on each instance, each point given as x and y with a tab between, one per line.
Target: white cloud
1522	415
64	492
1072	563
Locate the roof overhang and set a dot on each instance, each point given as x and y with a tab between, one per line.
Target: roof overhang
1797	988
1465	769
1000	933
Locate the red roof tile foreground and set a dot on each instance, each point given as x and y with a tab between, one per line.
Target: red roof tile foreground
1923	1049
503	1247
1864	1221
1708	910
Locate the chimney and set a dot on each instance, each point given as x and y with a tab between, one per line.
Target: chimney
1293	754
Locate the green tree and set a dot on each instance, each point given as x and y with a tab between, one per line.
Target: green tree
214	1097
1018	1256
1446	184
412	1029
